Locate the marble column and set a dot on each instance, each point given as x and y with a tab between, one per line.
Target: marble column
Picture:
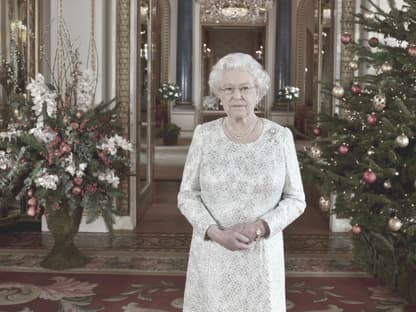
283	46
184	52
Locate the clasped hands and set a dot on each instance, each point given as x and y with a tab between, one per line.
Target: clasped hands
239	236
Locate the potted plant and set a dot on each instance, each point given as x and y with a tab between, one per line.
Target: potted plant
64	154
170	134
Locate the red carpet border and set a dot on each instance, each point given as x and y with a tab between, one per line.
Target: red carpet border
39	292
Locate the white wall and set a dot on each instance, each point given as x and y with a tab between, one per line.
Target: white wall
77	17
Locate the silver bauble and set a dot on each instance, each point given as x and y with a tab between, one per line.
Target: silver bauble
387	184
315	152
386	67
395	224
338	91
353	65
324	203
402	141
379	102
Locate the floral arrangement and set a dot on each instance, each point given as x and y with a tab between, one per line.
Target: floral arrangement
288	94
63	149
169	91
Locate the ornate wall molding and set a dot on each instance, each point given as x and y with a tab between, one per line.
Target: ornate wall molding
300	48
347	25
165	14
123	82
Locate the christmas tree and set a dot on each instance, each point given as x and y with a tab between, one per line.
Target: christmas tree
366	152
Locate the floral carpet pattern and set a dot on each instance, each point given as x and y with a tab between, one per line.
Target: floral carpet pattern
146	273
22	292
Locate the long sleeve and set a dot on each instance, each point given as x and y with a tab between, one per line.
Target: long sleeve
189	196
292	204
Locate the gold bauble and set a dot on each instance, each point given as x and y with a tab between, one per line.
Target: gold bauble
324	203
353	65
402	141
395	224
338	91
386	67
315	152
387	184
379	102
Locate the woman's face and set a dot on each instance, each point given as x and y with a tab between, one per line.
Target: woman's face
238	94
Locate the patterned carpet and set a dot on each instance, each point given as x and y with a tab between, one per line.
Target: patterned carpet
145	272
22	292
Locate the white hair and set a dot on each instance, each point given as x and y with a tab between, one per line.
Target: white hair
243	62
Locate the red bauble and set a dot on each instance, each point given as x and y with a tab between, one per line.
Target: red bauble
78	180
346	38
411	50
316	131
31	211
355	89
356	229
373	42
30	192
372	119
76	190
369	176
343	149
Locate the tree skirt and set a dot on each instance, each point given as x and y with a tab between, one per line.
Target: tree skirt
34	291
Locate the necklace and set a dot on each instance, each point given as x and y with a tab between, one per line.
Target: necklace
244	135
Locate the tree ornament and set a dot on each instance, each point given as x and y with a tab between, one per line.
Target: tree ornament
395	224
369	16
324	203
29	192
346	38
316	131
356	88
356	229
402	141
369	176
315	152
353	65
76	190
343	149
79	114
411	50
379	102
65	119
373	42
372	119
386	67
338	91
387	184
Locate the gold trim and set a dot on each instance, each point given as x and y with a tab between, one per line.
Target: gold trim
123	84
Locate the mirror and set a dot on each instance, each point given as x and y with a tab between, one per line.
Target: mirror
20	22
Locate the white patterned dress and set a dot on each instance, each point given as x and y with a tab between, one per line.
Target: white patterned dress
227	183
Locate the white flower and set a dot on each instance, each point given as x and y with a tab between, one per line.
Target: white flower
115	142
4	160
11	134
70	165
110	177
85	91
81	169
42	95
47	181
42	134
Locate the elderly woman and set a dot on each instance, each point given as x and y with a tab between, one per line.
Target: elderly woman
241	187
